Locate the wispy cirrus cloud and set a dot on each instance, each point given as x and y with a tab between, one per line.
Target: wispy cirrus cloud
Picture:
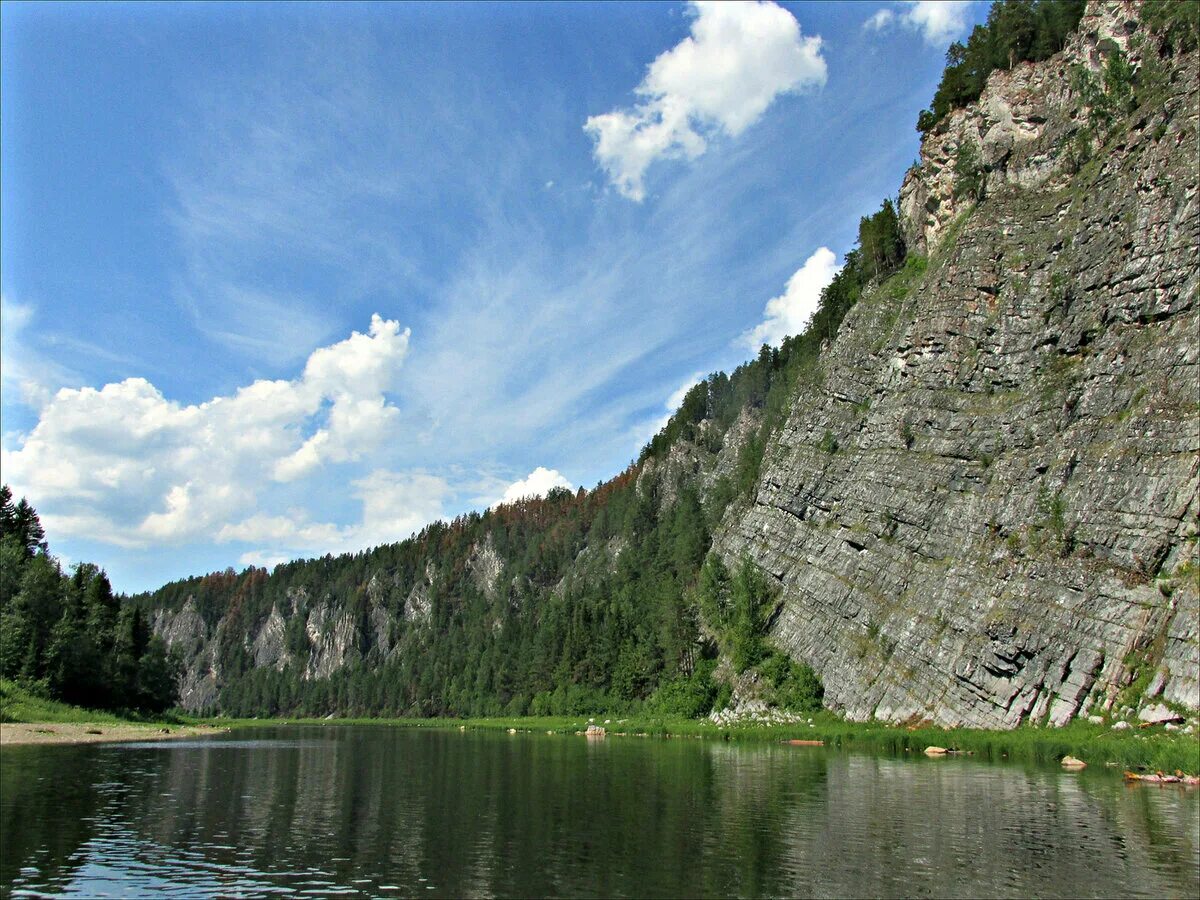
738	59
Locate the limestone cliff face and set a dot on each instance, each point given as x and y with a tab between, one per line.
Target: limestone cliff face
1007	528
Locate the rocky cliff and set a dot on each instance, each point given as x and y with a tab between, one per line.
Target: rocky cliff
1006	527
979	506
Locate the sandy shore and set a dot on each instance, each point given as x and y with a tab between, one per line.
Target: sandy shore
12	733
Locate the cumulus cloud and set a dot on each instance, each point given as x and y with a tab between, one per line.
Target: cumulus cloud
938	21
537	483
126	465
791	311
394	506
719	80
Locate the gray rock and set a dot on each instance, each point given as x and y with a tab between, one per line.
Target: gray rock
982	549
1158	714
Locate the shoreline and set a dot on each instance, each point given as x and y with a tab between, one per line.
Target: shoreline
1142	749
1145	750
24	734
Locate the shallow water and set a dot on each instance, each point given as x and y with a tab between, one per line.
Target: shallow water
378	811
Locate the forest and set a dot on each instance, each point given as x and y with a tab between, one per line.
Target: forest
67	635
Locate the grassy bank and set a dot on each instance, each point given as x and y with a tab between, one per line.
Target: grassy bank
19	704
1152	749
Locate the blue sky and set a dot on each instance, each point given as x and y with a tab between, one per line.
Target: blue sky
284	280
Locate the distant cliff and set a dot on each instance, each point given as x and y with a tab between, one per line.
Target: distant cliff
971	484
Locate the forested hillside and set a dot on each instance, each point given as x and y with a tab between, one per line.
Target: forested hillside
963	493
562	604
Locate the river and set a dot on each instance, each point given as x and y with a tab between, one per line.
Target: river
382	811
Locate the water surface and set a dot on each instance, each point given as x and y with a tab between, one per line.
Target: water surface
379	811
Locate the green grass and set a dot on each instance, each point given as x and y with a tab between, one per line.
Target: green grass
20	704
1098	745
1151	749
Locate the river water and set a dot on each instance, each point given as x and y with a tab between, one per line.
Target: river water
380	811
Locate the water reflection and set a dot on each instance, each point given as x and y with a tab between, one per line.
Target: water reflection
375	811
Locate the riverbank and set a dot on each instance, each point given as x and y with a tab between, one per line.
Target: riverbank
26	718
1149	749
20	733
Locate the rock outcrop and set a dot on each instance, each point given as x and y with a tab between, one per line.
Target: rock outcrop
1028	127
1008	526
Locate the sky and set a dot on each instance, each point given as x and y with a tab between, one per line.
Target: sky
286	280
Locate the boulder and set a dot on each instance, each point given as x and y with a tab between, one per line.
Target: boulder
1158	714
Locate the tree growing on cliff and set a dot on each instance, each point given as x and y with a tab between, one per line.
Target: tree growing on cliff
1016	31
969	178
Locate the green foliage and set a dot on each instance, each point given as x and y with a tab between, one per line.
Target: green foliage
686	697
1176	22
969	180
751	598
1051	532
1118	79
795	686
30	702
828	443
1016	31
67	634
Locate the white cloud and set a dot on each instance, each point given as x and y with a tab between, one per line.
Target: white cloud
26	375
938	21
127	466
394	506
880	20
720	79
536	484
790	312
261	560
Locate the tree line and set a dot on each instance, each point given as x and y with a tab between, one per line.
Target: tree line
67	635
1016	31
